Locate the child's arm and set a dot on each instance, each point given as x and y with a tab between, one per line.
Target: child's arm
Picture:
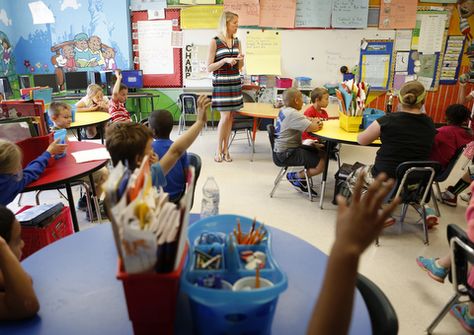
81	107
357	226
184	141
116	88
18	301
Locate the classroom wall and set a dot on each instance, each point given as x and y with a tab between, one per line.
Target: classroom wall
48	48
7	37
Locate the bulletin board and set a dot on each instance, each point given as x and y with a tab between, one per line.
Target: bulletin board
159	80
376	63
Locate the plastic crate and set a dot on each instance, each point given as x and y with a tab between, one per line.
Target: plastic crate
151	299
370	115
283	82
37	93
37	237
350	124
220	311
303	81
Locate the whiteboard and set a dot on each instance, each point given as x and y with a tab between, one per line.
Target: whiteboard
314	53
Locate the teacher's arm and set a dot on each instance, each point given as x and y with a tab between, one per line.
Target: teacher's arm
212	65
370	134
358	224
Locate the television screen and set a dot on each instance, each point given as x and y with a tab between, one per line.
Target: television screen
132	78
48	79
24	81
5	87
107	80
77	81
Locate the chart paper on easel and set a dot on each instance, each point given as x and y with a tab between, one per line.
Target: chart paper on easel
154	47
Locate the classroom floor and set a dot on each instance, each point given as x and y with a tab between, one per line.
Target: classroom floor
245	187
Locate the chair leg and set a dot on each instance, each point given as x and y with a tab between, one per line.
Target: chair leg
425	226
454	300
435	201
277	180
310	196
403	212
232	139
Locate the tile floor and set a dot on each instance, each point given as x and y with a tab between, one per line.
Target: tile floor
245	187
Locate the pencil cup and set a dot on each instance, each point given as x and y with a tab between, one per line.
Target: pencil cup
242	310
350	124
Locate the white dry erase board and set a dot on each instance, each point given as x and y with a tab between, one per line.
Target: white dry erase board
315	53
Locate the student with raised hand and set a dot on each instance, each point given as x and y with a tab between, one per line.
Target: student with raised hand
130	142
117	110
13	179
17	297
357	225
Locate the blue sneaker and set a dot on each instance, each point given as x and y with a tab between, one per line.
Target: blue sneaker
299	184
461	313
436	272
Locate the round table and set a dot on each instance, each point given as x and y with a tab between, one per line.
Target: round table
75	281
86	119
65	170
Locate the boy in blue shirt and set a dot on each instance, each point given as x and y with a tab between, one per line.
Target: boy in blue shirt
161	124
129	143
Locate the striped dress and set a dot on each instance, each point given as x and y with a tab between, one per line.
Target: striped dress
227	92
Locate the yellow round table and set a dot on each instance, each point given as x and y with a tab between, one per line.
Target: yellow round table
332	132
86	119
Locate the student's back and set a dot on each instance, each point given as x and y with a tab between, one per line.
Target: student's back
405	137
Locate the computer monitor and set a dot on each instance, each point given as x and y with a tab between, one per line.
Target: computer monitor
24	81
133	79
77	81
5	87
107	80
48	79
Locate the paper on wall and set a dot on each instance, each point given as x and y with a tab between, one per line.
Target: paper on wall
263	53
247	10
431	33
154	47
403	40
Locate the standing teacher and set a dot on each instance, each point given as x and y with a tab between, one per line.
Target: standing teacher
225	61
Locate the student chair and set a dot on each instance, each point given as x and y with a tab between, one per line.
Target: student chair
284	168
443	175
188	103
382	314
413	184
462	257
196	162
242	123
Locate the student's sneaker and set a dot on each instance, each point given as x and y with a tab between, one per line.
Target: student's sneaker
449	198
436	272
461	313
466	196
431	217
82	203
299	184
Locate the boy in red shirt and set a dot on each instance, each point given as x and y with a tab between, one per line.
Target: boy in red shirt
319	100
117	109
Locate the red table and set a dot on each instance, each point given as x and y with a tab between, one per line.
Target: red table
60	173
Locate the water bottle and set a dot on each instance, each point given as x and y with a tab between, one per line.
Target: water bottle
210	198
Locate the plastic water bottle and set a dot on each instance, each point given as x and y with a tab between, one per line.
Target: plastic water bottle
210	198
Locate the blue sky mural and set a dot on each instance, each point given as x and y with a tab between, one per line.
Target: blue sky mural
86	35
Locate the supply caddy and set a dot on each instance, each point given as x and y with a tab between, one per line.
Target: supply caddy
245	297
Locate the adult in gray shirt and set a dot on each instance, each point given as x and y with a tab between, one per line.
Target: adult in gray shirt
288	148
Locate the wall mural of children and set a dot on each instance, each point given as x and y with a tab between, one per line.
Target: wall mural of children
6	54
83	55
109	55
68	51
95	46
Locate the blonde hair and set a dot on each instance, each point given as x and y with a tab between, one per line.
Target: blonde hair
412	94
92	90
318	93
226	17
10	157
56	107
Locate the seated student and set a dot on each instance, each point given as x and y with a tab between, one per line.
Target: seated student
60	115
450	196
438	269
406	135
161	124
12	178
129	143
94	101
357	225
17	297
319	100
448	140
117	109
289	151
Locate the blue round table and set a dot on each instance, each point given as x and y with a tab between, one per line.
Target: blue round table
75	281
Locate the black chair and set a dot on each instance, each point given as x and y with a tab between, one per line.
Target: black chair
196	162
284	168
188	103
443	175
382	314
413	185
462	256
242	123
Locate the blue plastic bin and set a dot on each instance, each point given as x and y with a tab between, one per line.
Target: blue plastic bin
44	94
370	115
217	312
